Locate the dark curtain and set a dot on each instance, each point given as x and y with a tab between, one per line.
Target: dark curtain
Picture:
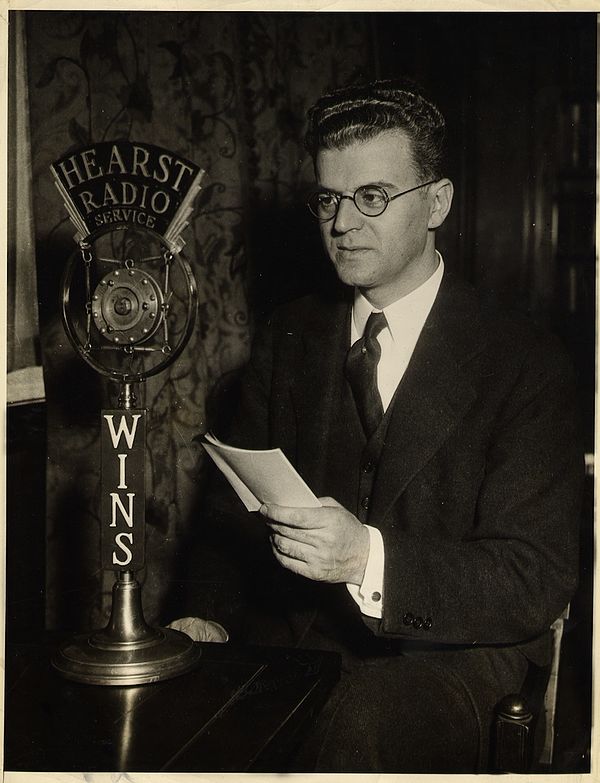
22	314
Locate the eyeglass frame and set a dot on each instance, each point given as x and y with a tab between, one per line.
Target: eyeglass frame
340	196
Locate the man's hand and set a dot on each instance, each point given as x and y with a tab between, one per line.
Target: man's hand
327	544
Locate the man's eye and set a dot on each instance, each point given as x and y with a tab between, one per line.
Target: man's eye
326	200
372	197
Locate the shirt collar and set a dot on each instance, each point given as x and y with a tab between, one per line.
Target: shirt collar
409	310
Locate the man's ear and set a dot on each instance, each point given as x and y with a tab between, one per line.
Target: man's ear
440	196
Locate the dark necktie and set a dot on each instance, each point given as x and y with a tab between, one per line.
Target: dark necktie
361	371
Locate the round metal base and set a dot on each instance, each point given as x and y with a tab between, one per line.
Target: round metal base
98	660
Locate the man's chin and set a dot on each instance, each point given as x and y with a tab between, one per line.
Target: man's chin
351	274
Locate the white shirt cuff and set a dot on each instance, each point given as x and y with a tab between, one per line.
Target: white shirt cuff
369	595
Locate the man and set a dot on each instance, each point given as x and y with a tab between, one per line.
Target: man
440	437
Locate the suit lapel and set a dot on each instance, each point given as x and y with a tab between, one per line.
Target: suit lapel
433	396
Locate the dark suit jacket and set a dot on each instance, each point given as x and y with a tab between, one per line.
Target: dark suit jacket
478	487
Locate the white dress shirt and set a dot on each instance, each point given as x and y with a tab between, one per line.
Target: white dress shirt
405	320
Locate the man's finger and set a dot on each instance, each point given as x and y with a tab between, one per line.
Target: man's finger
288	562
294	517
304	535
290	549
296	566
309	570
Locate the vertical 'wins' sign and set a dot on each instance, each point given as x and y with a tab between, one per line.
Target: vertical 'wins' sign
123	489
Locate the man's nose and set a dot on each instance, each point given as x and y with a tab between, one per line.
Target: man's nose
347	216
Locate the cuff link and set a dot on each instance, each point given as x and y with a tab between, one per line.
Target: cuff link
376	596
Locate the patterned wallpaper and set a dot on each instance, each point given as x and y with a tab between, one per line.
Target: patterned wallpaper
228	91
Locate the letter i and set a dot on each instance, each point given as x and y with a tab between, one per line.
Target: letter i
122	458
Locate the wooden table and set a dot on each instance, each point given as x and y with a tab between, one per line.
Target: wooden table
241	709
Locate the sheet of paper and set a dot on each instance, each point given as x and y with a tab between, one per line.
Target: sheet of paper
260	476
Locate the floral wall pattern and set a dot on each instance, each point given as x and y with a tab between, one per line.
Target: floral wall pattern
228	91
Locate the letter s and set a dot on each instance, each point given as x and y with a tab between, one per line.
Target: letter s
119	542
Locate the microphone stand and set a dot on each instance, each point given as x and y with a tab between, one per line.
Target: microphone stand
127	651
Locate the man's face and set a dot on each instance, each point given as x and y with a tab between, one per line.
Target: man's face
386	256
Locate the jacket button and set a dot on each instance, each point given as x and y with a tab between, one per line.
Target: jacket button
408	618
376	596
417	622
427	623
365	502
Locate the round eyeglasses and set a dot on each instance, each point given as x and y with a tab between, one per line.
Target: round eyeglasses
370	200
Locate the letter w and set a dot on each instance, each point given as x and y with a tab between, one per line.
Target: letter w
129	434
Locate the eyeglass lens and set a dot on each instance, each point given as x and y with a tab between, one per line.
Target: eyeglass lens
369	199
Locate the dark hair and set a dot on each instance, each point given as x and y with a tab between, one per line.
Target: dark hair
361	112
